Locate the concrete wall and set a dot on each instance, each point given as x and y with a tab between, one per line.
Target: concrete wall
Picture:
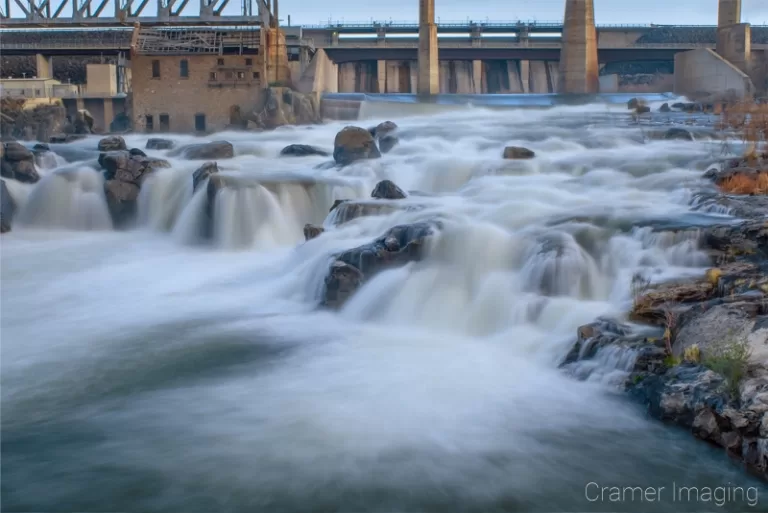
101	79
609	83
734	45
235	83
703	72
321	76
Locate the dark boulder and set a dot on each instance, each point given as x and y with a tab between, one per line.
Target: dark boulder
336	204
159	144
203	173
65	138
302	150
633	103
680	134
518	153
125	167
642	109
121	200
112	143
311	231
665	108
385	135
386	189
352	144
137	152
7	208
18	163
350	269
208	151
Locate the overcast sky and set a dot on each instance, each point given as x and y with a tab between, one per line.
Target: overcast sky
668	12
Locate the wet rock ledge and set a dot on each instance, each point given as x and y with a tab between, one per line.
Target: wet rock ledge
706	368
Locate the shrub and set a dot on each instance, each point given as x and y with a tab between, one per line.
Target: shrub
731	360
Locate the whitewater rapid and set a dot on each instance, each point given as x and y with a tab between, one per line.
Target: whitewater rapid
150	370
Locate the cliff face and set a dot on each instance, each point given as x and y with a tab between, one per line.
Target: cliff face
65	68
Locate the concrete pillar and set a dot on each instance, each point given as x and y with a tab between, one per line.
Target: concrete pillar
429	73
44	66
578	55
444	74
525	75
393	77
735	45
477	77
414	76
109	113
381	76
728	13
347	75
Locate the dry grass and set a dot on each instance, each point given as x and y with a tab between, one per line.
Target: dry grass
745	184
747	119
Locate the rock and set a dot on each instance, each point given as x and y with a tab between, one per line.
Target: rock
203	173
121	123
7	208
25	123
642	109
41	147
715	328
353	144
347	210
155	143
283	106
125	167
83	122
592	337
678	134
385	134
18	163
396	247
665	108
208	151
518	153
336	204
302	150
653	306
121	200
633	104
112	143
386	189
311	231
747	241
44	157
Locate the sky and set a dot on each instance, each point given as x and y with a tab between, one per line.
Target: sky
665	12
310	12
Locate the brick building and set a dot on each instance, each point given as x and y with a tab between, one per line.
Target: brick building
195	79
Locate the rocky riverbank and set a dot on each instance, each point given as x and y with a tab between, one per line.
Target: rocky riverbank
700	348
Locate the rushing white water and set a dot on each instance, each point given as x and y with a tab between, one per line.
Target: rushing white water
146	370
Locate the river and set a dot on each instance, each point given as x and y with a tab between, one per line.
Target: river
145	371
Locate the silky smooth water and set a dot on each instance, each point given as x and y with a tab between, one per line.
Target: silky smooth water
149	370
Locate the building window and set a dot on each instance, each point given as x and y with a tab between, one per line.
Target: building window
256	75
241	75
249	62
165	123
212	76
293	57
220	62
155	69
200	122
184	69
149	122
256	51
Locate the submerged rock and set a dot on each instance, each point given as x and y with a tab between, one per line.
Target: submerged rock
396	247
680	134
386	189
518	153
302	150
112	143
156	143
352	144
207	151
18	163
311	231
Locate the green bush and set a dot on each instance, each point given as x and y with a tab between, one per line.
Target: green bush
730	360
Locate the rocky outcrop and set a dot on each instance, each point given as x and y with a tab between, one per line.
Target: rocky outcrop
203	173
665	108
7	208
33	123
156	143
350	269
302	150
311	231
112	143
385	135
208	151
283	106
386	189
707	370
518	153
124	173
65	138
18	163
352	144
680	134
